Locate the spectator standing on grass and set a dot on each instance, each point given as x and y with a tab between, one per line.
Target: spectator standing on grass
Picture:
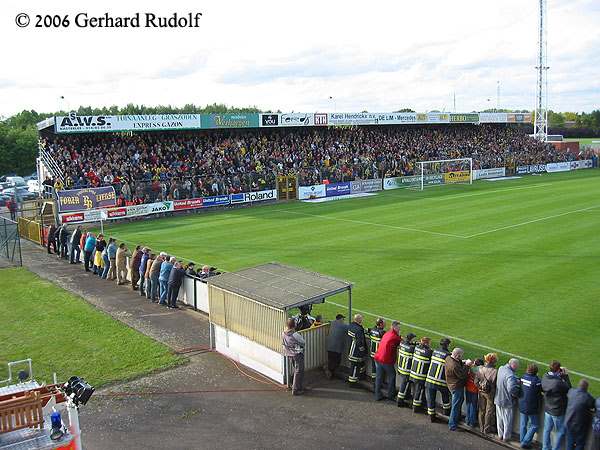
163	279
457	372
556	385
51	239
385	357
142	269
485	379
75	248
88	251
578	417
121	262
529	405
336	341
134	266
293	350
154	275
174	284
110	271
472	394
147	281
507	393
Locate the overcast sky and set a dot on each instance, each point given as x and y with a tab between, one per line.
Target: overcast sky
294	55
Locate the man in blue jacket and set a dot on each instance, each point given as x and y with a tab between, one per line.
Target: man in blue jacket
556	385
142	271
174	284
88	250
529	405
163	279
578	417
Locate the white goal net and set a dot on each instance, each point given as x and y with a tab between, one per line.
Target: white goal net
443	171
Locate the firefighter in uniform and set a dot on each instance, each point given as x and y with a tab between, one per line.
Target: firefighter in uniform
436	380
358	350
405	356
375	335
418	371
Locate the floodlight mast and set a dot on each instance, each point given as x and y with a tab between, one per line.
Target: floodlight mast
540	125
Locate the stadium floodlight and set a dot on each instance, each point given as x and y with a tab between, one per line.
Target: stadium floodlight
444	171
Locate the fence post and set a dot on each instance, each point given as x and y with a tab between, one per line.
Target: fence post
6	237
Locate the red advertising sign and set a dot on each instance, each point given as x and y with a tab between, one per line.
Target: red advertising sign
117	212
191	203
69	218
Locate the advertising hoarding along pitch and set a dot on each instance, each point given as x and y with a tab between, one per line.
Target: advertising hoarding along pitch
142	122
496	172
88	198
242	120
335	189
310	192
251	197
360	186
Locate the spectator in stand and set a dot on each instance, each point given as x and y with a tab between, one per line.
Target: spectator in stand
507	393
75	249
578	417
110	260
471	394
485	379
529	405
457	373
154	276
51	239
174	284
88	251
336	341
142	270
134	266
163	279
147	280
556	385
98	258
121	263
385	357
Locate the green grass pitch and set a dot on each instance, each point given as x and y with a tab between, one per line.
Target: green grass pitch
511	265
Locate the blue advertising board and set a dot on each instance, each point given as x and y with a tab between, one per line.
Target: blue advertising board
218	200
335	189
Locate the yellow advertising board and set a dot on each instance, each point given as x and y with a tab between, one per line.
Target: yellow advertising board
457	177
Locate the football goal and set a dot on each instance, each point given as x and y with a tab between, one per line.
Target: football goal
443	171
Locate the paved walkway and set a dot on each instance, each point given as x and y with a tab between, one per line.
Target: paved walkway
212	403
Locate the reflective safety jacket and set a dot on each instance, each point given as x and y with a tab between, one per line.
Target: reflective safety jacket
375	335
437	369
420	362
405	357
358	346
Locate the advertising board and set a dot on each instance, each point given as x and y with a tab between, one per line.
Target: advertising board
89	198
336	189
310	192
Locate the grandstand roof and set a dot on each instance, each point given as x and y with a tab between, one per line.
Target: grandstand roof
280	286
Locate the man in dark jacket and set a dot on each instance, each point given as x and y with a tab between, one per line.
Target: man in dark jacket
374	336
358	350
174	284
556	385
52	238
457	373
405	356
75	250
384	361
64	235
436	380
529	405
418	371
336	341
578	417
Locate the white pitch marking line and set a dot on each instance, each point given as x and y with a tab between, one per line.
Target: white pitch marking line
466	341
361	222
531	221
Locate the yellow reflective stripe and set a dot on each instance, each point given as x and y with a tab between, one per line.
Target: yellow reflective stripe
440	360
421	358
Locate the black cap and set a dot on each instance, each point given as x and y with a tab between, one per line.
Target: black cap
445	341
410	336
340	316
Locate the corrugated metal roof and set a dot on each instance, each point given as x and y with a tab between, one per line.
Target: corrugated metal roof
280	286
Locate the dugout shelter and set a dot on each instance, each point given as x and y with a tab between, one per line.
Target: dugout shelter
249	309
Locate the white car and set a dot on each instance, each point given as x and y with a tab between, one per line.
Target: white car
16	181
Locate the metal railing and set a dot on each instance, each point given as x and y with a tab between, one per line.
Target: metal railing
10	244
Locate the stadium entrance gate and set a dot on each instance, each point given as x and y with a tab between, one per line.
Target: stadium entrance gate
287	187
10	244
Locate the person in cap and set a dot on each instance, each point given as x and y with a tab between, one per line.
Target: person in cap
336	341
405	355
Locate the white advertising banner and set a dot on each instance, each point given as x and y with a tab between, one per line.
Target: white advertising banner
296	120
480	174
309	192
558	167
149	208
392	183
83	124
371	118
583	164
493	117
250	197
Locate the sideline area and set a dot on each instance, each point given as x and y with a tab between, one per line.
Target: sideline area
211	403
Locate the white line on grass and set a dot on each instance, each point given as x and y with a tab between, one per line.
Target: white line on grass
374	224
466	341
531	221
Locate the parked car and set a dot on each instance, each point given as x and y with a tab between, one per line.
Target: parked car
21	191
16	181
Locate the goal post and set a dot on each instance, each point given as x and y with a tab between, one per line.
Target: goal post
445	171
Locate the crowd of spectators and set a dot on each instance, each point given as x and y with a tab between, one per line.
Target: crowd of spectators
158	166
157	276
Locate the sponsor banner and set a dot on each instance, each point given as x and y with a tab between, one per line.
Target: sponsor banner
392	183
458	176
464	118
583	164
371	118
269	120
320	119
242	120
412	180
82	199
296	120
81	124
149	208
190	203
335	189
558	167
71	218
359	186
493	117
497	172
249	197
531	168
519	118
116	213
311	192
217	200
433	117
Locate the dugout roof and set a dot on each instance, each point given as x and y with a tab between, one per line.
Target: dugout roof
280	286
